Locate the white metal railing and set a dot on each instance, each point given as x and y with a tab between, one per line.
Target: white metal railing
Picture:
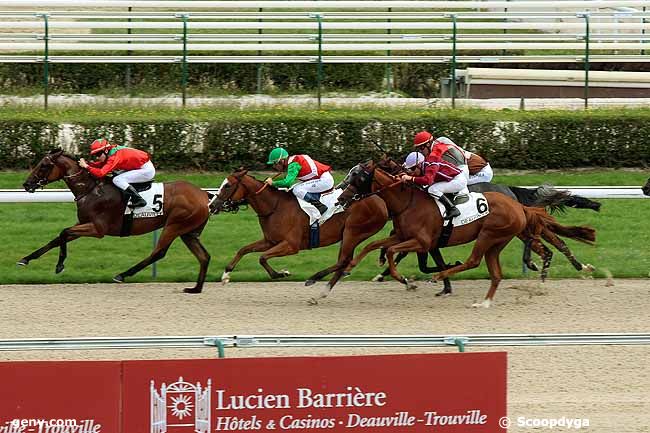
65	196
279	341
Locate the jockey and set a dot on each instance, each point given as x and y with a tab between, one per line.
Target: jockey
478	169
443	169
136	164
314	176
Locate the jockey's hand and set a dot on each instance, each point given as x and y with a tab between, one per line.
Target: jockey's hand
83	163
406	177
268	181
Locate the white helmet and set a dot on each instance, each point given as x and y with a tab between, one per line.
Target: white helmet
413	159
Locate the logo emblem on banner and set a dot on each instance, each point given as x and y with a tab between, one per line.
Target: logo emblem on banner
181	405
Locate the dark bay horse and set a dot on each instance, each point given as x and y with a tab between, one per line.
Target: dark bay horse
418	225
100	210
646	188
286	226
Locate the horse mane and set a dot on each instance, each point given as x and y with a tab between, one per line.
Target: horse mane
62	152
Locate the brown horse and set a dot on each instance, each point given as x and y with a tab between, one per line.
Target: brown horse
418	225
543	197
100	210
286	226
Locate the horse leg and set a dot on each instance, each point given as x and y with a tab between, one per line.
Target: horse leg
39	252
386	242
440	263
482	244
282	249
193	243
386	272
527	256
409	245
167	236
546	255
558	243
72	233
257	246
494	268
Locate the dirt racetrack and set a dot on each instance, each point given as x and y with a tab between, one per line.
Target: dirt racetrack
608	385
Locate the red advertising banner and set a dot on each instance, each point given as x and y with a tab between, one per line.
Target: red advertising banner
451	393
60	397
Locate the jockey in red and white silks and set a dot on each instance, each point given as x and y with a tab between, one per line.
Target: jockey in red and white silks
444	169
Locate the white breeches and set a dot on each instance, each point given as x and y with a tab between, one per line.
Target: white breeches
142	174
485	175
457	184
323	183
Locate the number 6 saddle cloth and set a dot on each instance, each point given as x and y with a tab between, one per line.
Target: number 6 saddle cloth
471	209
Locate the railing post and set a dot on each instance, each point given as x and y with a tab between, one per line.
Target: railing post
127	78
389	67
453	60
46	60
319	76
643	21
259	65
154	268
585	15
184	72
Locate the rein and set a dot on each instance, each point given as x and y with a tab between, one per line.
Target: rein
263	187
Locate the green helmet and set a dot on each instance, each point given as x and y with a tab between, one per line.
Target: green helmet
277	154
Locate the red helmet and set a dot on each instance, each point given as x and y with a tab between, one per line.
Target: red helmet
99	145
421	138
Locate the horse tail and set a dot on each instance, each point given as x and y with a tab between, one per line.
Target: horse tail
538	220
525	196
555	201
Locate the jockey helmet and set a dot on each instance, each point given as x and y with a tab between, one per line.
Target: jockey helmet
413	159
277	154
99	145
423	137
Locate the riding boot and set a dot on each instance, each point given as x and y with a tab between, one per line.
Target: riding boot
136	199
451	211
314	198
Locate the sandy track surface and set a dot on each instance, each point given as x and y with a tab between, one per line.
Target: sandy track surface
609	385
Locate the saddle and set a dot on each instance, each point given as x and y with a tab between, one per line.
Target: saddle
457	198
142	186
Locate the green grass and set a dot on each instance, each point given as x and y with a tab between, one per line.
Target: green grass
622	239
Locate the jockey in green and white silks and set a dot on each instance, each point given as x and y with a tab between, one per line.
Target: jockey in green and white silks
314	177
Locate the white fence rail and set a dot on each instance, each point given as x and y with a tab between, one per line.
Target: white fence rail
280	341
65	196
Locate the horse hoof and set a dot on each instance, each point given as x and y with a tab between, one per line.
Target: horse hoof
588	268
22	262
118	278
312	301
532	266
444	293
284	273
59	269
225	278
192	290
379	278
485	304
310	283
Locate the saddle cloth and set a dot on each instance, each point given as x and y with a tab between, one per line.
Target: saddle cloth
329	200
471	210
154	197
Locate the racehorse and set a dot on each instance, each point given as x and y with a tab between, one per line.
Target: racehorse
418	224
544	196
286	226
100	210
646	187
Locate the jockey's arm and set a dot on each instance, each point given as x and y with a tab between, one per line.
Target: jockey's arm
429	174
110	165
292	174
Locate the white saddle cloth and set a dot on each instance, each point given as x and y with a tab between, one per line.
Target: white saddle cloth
475	208
329	200
154	197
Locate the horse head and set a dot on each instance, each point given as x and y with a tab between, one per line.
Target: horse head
646	187
357	183
54	166
387	164
231	193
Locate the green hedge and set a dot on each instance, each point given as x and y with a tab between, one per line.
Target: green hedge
218	140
